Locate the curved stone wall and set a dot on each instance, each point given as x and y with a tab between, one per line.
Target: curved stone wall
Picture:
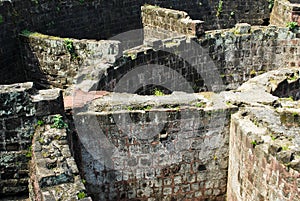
236	54
95	19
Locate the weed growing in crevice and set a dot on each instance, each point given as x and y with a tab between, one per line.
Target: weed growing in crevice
81	195
158	92
220	8
71	49
271	4
40	122
26	32
254	143
29	152
58	122
292	25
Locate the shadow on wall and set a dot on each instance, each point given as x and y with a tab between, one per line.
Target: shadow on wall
96	19
140	74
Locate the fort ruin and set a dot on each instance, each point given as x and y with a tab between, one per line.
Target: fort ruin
149	100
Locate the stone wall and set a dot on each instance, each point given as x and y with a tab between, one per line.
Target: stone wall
230	57
255	173
242	53
96	19
53	172
21	105
59	62
167	151
284	12
166	23
221	14
264	160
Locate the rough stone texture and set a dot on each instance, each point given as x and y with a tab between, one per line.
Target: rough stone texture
238	54
53	172
125	157
284	12
220	17
225	55
264	146
165	23
95	19
49	63
239	57
20	106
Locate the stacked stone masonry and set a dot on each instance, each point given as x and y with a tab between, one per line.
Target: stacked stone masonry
264	162
236	55
21	105
200	152
167	21
123	158
53	172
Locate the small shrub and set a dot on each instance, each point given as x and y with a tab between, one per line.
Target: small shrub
292	25
271	4
29	152
69	44
273	137
200	104
220	8
40	122
58	122
26	32
81	195
254	143
158	92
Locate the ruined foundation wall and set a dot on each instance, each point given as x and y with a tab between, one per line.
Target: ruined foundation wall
53	172
237	54
164	23
21	105
218	15
61	62
254	172
95	19
244	52
264	161
187	160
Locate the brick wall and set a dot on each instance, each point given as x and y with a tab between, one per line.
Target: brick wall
254	172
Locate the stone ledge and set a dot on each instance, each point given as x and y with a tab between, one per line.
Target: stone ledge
54	173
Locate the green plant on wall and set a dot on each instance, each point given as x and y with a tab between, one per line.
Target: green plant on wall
292	25
158	92
70	47
35	1
1	19
58	122
81	195
40	122
271	4
220	8
26	32
29	152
